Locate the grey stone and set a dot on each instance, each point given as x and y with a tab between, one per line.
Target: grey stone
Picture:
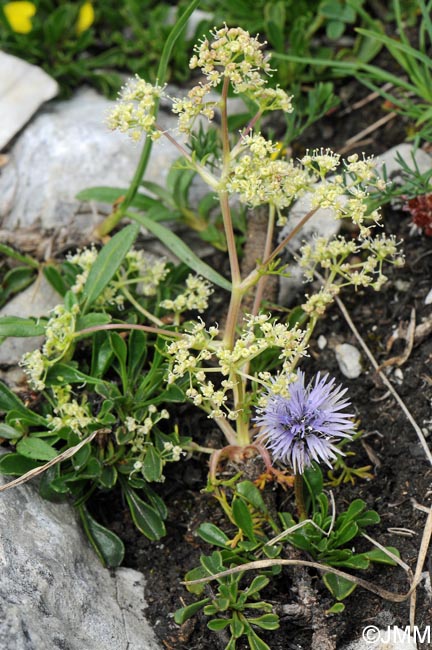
66	149
349	360
23	89
407	152
37	300
54	592
322	224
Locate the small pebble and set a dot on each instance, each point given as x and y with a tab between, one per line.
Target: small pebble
349	360
321	342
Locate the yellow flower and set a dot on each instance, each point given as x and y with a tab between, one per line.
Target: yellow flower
85	17
18	15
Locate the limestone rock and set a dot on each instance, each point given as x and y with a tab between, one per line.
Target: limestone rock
36	300
66	149
23	89
54	592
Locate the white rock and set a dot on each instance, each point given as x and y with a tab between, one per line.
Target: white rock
428	299
349	360
391	638
54	593
37	300
23	89
323	224
394	171
66	149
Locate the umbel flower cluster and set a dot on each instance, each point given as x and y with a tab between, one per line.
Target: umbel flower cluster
217	363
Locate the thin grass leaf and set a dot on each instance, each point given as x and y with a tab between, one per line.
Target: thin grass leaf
181	250
107	263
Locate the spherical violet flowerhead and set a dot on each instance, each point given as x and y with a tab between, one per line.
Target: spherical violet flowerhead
305	427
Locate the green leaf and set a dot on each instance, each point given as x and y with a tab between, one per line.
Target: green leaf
339	587
196	574
369	518
9	432
55	279
181	250
108	547
251	493
36	449
81	457
20	327
337	608
182	614
218	624
16	465
344	534
256	585
146	518
108	477
63	373
255	642
377	555
266	621
112	194
243	518
107	263
213	535
152	465
93	319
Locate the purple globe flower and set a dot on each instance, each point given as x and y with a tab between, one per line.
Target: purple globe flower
305	426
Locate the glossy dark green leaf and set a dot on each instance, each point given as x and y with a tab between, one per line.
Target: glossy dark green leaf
211	534
377	555
255	642
55	279
339	587
93	319
152	465
145	517
337	608
218	624
243	518
266	621
8	432
344	534
182	614
63	373
16	465
36	449
108	547
20	327
107	263
102	355
368	518
81	457
9	402
112	194
258	583
119	347
108	477
251	493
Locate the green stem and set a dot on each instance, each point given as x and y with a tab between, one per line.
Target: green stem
113	219
151	317
299	496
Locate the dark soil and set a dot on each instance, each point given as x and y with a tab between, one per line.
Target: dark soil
402	473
